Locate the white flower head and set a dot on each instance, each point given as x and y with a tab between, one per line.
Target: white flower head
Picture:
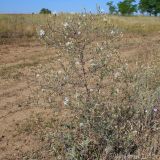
65	24
43	90
49	100
79	33
126	64
112	32
135	132
42	33
77	63
66	100
66	78
37	75
91	90
98	45
108	55
104	19
117	90
59	72
93	64
155	109
121	34
117	74
76	95
81	124
68	44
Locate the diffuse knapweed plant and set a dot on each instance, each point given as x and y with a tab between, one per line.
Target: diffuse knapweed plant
81	42
115	109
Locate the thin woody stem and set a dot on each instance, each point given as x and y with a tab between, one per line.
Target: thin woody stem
84	73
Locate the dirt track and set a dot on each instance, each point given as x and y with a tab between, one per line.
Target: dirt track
15	61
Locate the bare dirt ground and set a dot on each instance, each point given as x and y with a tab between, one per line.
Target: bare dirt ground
15	59
17	139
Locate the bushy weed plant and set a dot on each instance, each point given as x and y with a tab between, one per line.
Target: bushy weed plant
114	106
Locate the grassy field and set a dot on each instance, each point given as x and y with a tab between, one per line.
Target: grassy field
25	25
110	113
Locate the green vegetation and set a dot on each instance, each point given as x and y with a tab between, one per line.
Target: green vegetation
45	11
150	6
112	7
127	7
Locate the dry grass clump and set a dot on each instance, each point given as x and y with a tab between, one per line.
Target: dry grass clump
115	108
